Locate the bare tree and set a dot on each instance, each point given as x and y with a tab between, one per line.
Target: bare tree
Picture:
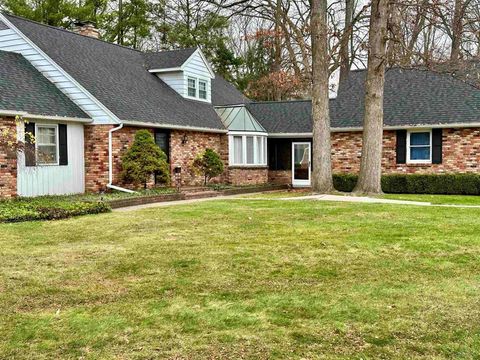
322	162
369	181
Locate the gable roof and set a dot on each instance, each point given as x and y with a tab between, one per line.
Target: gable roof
412	98
168	59
225	93
117	76
25	89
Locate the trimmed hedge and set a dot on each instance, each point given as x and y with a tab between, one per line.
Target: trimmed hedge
47	208
450	184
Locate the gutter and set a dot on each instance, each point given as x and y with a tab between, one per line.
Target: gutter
173	127
110	163
27	115
356	129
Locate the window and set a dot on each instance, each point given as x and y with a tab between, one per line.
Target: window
419	147
46	140
192	87
248	150
202	89
237	150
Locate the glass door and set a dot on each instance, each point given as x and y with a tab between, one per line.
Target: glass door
301	164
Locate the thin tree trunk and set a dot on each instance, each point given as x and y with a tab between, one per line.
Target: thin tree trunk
278	48
457	30
369	181
345	41
322	154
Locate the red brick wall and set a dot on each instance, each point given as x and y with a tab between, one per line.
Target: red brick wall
461	154
247	175
8	162
96	155
182	155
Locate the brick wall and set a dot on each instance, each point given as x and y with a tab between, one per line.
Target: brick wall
8	162
96	155
182	155
461	154
247	175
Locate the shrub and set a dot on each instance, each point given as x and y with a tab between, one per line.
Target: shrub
208	164
448	184
47	208
144	159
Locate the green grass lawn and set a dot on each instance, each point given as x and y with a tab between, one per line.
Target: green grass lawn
437	199
244	279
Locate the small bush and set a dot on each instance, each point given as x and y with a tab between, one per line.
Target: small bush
143	159
208	164
47	208
448	184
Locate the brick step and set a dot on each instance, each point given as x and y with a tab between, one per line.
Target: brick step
200	195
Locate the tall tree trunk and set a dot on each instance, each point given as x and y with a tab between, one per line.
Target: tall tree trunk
345	40
457	30
278	48
369	180
322	154
120	23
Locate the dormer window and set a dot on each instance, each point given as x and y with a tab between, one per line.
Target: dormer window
202	89
192	87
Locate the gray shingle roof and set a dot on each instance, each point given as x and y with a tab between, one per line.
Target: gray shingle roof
412	98
225	93
117	76
168	59
23	88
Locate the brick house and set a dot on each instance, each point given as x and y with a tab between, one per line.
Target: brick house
85	98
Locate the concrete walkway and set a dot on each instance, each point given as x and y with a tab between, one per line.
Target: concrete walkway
320	197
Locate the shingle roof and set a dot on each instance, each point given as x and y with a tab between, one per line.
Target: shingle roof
412	98
117	76
167	59
224	93
23	88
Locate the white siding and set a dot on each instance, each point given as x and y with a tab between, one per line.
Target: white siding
196	67
54	180
175	80
13	42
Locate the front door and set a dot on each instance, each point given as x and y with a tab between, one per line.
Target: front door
301	169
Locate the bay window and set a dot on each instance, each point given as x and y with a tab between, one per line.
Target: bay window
419	147
248	149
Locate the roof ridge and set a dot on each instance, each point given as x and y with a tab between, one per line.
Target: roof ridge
279	101
172	50
68	31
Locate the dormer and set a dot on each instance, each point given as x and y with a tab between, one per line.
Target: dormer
186	71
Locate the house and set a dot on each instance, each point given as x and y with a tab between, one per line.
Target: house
85	98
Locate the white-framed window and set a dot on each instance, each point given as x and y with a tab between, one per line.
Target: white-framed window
46	144
192	87
202	89
248	149
419	146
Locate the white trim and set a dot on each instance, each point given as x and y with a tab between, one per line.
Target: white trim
421	161
165	70
403	127
173	127
43	117
60	69
197	88
302	183
57	145
254	133
204	59
262	162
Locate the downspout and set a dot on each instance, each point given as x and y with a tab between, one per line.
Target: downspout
110	162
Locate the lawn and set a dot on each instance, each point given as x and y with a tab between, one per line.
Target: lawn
251	279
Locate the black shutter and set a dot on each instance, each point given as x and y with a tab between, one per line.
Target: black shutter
29	144
62	144
437	146
401	146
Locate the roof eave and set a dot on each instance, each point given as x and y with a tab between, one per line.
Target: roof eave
174	127
27	115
